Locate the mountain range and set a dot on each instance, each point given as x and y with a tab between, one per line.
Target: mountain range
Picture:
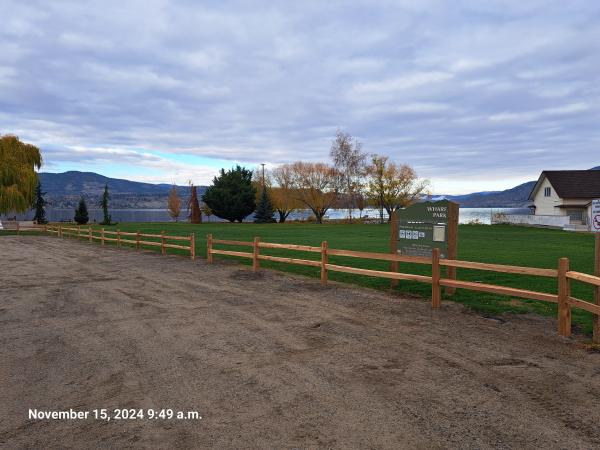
517	197
63	190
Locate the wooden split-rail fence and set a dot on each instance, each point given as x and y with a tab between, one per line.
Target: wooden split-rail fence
562	274
21	227
126	237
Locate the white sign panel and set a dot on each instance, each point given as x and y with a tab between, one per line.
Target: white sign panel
595	224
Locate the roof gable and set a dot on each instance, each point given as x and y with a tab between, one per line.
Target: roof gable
572	183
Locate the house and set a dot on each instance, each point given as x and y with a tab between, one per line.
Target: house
566	193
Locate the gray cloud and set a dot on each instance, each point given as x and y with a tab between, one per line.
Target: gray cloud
464	89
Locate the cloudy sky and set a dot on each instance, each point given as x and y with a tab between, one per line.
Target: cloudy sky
476	95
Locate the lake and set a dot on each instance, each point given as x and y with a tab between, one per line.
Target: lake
466	215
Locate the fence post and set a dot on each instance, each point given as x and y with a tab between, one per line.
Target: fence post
59	230
118	238
394	265
453	212
564	309
137	240
255	253
162	243
90	234
209	243
436	290
324	262
18	228
193	246
596	318
78	231
102	235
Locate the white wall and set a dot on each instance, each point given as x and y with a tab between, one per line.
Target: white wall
547	206
530	219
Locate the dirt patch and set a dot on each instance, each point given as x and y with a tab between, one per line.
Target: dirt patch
270	360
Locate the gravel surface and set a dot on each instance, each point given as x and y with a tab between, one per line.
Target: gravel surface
270	360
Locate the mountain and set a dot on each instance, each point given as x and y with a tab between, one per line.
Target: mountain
63	190
516	197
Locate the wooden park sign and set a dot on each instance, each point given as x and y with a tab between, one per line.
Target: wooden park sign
418	229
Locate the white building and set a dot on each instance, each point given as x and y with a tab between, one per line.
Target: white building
566	193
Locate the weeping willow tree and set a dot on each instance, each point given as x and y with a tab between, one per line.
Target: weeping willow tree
18	179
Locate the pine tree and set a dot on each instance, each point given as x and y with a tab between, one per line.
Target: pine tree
104	204
81	213
264	211
40	203
231	196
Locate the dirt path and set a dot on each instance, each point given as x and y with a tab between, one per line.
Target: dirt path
269	360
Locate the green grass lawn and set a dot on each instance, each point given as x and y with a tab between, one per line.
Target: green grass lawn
501	244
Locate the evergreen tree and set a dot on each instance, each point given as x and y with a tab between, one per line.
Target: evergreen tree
40	203
104	204
264	210
232	196
194	206
81	213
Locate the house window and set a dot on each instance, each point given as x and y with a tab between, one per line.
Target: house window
547	192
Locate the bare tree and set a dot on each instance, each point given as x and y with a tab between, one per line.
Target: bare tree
361	203
349	160
174	203
317	186
393	186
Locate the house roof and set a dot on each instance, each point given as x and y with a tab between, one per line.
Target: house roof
571	183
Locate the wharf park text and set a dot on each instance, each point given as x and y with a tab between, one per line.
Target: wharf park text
438	212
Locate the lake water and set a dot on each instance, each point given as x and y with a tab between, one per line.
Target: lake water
466	215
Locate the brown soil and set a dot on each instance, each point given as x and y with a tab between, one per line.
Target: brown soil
270	360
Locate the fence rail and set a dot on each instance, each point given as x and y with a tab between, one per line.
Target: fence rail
21	227
100	234
562	274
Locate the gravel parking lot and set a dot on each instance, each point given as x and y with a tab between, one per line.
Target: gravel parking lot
269	360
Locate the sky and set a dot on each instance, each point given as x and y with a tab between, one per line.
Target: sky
475	95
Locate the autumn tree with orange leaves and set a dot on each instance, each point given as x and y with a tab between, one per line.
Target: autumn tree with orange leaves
393	186
317	186
174	203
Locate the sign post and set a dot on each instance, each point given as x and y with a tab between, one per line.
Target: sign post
418	229
595	228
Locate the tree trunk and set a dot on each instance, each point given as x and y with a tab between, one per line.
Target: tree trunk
283	215
319	215
390	211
